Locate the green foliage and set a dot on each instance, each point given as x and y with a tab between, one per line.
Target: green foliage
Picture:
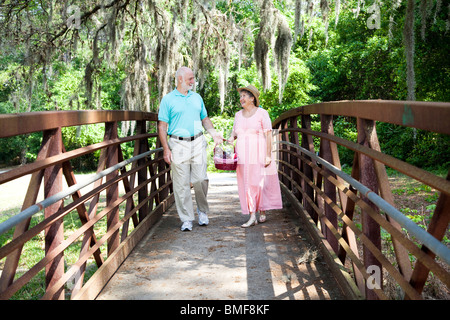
296	92
223	124
346	129
418	147
359	70
8	82
81	136
432	60
20	149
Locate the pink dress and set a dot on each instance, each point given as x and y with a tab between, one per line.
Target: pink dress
258	187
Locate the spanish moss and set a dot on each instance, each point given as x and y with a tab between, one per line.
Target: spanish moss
283	46
395	5
337	11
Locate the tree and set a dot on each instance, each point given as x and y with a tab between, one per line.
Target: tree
146	41
374	51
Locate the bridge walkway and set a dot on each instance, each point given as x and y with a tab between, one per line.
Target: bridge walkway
223	260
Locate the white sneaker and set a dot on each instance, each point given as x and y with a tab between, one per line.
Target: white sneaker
187	226
202	218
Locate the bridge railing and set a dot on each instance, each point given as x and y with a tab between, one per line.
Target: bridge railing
351	214
110	223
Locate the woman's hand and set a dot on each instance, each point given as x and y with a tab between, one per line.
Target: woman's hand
268	161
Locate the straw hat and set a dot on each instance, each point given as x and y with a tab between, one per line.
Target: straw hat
253	90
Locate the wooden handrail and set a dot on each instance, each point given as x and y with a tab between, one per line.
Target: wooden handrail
22	123
430	116
50	161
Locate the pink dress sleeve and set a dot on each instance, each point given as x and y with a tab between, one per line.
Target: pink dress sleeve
266	122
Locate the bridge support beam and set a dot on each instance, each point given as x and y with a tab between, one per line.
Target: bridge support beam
437	227
307	143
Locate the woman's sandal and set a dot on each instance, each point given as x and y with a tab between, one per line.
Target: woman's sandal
262	218
251	221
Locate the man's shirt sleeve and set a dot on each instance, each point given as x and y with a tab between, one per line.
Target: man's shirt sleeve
163	113
203	112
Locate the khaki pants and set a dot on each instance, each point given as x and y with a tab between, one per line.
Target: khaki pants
189	166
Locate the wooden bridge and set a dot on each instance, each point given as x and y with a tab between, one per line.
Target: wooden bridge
348	221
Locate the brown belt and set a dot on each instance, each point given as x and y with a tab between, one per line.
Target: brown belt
187	138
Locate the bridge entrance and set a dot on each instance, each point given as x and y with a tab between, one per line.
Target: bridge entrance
352	218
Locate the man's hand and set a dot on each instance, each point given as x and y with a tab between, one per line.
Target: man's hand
218	139
162	132
168	156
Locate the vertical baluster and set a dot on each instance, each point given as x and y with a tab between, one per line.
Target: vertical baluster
347	233
370	228
295	160
285	156
112	192
161	165
328	187
142	174
307	143
12	260
54	235
401	253
437	227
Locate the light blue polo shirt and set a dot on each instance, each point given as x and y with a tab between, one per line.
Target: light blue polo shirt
184	114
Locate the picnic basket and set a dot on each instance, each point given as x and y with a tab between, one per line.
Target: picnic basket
225	158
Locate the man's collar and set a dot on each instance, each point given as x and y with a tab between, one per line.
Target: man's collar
180	94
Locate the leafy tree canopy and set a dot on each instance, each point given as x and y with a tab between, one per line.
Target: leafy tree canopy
113	54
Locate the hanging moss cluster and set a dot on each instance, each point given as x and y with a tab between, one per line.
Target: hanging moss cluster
283	46
274	33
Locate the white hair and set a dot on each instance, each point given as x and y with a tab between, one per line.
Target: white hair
180	73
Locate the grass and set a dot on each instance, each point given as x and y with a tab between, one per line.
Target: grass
418	202
34	250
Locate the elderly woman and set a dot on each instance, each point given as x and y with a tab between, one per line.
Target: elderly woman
257	177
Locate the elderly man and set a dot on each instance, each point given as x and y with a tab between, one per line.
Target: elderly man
182	114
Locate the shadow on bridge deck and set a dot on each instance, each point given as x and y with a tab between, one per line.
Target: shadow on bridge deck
223	260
